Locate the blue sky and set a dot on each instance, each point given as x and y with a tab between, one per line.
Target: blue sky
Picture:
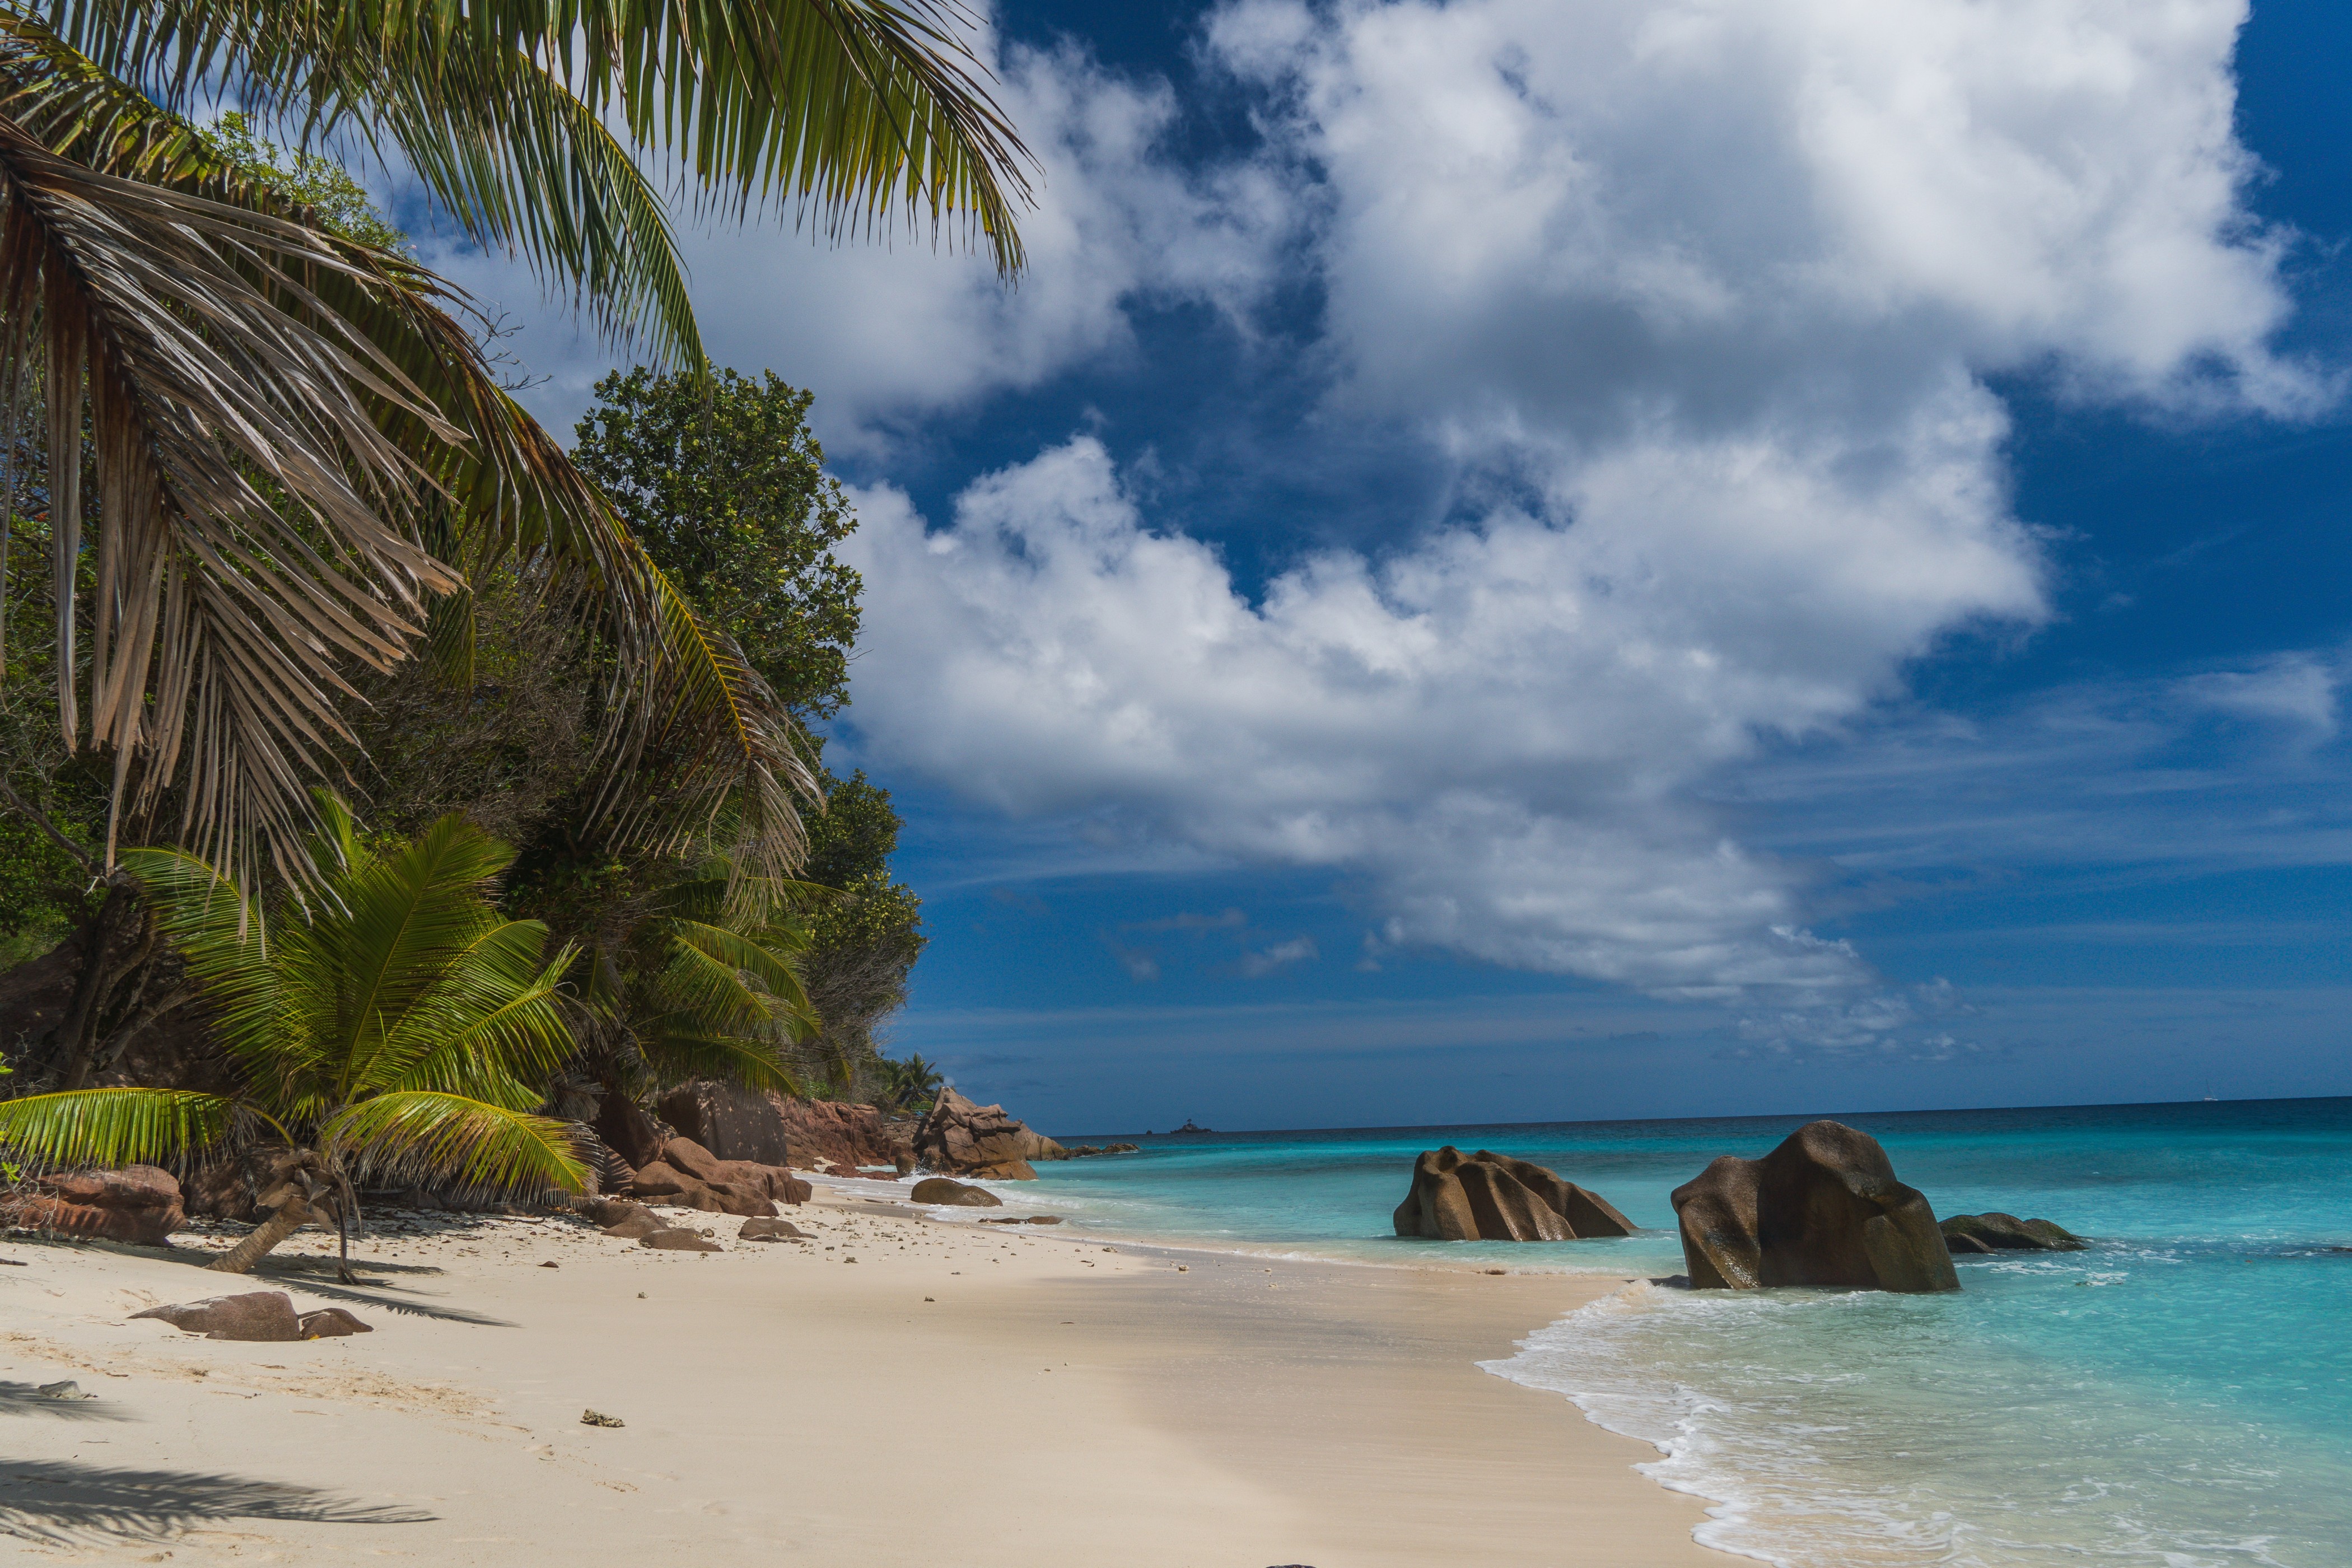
1523	561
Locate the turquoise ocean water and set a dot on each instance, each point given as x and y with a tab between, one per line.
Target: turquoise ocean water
2177	1396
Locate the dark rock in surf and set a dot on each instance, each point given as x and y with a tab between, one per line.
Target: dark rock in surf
1487	1196
1824	1208
940	1190
1996	1232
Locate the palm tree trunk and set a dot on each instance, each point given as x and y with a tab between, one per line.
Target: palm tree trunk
289	1218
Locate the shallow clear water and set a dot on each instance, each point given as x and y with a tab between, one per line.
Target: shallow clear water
2178	1395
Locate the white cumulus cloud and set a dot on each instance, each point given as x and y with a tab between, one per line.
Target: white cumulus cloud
1700	299
889	330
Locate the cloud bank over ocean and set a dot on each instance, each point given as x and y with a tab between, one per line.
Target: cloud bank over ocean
1703	321
1699	302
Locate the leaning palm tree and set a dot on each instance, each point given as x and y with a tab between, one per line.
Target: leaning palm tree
301	459
396	1029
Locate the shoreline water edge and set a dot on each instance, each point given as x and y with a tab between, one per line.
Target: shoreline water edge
2166	1396
1227	1317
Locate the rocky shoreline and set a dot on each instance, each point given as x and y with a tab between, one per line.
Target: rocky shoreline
709	1146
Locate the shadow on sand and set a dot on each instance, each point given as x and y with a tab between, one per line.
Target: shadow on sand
59	1503
26	1399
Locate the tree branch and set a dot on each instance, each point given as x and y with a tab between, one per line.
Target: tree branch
40	820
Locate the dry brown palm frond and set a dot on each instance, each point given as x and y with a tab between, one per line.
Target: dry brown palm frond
367	405
248	498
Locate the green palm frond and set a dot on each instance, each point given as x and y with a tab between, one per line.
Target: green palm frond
853	111
489	1026
676	1051
417	1133
111	1126
736	980
405	919
259	983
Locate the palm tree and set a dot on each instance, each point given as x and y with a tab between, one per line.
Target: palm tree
911	1085
706	984
398	1029
300	456
301	461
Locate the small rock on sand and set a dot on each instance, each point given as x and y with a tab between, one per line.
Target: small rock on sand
264	1315
636	1227
678	1241
330	1324
770	1230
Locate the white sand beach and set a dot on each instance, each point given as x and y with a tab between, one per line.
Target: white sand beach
895	1390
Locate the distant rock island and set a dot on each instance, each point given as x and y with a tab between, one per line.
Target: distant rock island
1188	1127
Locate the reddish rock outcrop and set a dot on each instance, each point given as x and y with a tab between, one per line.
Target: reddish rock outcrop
1824	1208
1487	1196
669	1168
962	1139
230	1186
628	1132
139	1204
830	1135
665	1184
731	1121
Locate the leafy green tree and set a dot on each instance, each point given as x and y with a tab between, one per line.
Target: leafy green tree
726	488
338	202
398	1028
280	416
863	941
706	984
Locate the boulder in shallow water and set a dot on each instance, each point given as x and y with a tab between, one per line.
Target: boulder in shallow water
1487	1196
940	1190
1824	1208
967	1139
1996	1232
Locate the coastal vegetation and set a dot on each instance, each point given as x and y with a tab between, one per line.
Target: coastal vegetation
398	1027
271	519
